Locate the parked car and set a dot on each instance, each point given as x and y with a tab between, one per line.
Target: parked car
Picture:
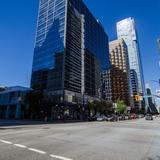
116	118
120	117
133	116
149	117
112	118
141	116
126	117
92	118
101	118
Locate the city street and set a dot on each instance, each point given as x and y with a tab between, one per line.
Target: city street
126	140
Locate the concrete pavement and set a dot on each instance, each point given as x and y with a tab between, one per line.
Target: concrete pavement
126	140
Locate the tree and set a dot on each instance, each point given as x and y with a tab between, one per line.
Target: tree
92	108
121	107
99	106
102	107
108	107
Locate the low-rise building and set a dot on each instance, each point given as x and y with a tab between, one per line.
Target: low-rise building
12	102
2	88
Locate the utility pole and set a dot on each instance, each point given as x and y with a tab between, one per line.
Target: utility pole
158	42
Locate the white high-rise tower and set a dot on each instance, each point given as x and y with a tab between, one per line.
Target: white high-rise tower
126	30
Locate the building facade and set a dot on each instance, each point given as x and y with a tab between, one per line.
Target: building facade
70	52
126	29
2	88
106	85
116	79
151	105
135	91
12	104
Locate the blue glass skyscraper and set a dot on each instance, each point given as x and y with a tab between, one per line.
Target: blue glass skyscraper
71	50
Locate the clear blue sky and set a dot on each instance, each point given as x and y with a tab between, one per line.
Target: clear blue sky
18	24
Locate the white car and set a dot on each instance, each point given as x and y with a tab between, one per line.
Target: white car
126	118
141	116
101	118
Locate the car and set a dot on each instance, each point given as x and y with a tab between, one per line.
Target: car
133	116
126	117
92	118
101	118
141	116
116	118
112	118
120	117
149	117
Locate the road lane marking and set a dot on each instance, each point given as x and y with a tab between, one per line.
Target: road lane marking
6	142
59	157
36	150
19	145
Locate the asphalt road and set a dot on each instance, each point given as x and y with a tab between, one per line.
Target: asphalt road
129	140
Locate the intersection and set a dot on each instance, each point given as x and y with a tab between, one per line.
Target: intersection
126	140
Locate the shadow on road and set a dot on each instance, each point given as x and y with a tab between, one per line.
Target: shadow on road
10	123
152	158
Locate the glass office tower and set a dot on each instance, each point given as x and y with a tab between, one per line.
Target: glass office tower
71	50
126	29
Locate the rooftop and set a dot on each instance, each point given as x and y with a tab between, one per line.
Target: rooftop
14	89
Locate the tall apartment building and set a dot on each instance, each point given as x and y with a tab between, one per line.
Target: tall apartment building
70	51
116	79
126	29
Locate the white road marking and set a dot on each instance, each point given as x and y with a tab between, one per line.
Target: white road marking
7	142
59	157
36	150
19	145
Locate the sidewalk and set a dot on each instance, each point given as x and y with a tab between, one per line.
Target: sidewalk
5	123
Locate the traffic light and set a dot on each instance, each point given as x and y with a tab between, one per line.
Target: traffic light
137	98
